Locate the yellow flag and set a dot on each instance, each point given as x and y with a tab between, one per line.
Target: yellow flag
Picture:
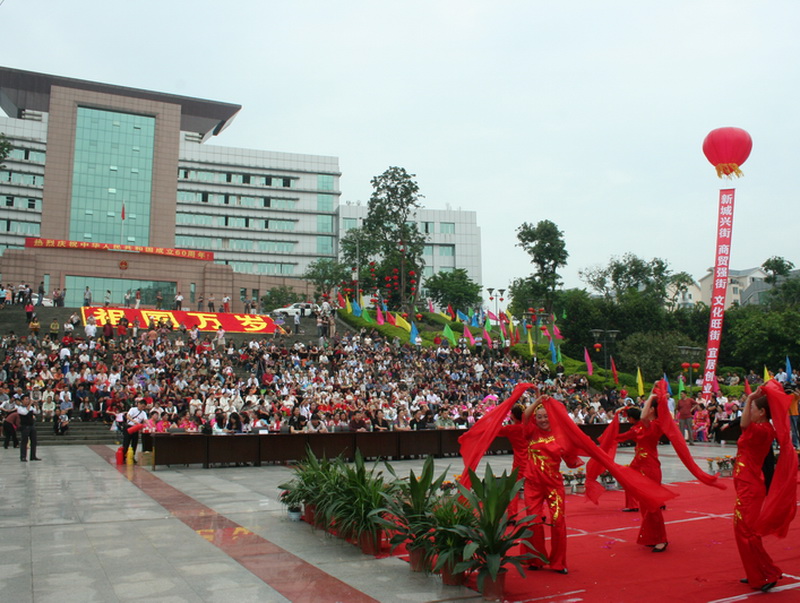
530	343
639	381
766	374
402	322
348	307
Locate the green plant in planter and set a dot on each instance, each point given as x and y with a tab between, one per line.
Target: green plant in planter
447	542
292	497
315	483
491	538
408	508
359	494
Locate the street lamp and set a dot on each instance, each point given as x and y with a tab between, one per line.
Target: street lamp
606	335
692	353
533	315
496	299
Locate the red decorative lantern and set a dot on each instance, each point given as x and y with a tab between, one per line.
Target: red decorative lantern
395	270
528	326
530	310
491	299
597	347
695	365
372	263
419	316
405	314
413	282
685	366
501	299
727	149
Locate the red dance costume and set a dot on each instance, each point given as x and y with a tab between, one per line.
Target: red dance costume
515	433
748	479
543	484
646	434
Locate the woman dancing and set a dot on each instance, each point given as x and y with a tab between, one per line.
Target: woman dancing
757	513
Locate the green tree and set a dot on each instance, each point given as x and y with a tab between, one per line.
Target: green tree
785	295
325	274
395	239
678	283
629	273
776	267
454	288
278	297
5	148
755	337
544	243
655	353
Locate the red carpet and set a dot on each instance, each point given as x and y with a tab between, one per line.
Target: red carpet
701	564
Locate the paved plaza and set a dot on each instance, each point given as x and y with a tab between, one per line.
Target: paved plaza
75	528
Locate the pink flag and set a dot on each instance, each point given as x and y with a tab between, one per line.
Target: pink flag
556	332
430	306
468	335
503	329
588	360
487	339
491	315
544	330
379	315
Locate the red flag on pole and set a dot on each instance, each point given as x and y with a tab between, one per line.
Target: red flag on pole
451	312
614	371
123	210
747	389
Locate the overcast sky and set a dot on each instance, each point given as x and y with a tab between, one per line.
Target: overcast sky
590	114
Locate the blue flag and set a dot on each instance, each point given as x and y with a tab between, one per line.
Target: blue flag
385	309
412	337
669	387
553	353
356	308
474	322
462	317
788	370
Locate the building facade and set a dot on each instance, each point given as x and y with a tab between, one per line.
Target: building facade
739	282
114	188
453	238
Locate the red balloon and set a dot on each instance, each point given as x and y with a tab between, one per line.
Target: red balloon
727	149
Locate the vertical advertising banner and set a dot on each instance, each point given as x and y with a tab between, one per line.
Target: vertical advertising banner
719	289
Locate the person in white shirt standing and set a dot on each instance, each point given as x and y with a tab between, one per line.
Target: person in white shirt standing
136	416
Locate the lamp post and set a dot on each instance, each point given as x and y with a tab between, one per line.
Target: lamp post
692	354
606	335
496	299
533	315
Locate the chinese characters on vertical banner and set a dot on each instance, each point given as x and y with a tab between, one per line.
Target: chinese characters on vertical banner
719	289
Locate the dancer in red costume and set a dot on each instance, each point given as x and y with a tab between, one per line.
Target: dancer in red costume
757	513
544	484
515	433
646	432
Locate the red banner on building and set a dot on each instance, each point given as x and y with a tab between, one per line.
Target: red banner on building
719	289
188	254
205	321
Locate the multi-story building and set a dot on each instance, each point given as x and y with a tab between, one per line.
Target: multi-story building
453	238
739	281
112	188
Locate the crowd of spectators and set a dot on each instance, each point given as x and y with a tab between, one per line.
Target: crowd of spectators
204	382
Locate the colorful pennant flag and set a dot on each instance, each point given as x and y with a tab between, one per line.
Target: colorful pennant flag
450	312
448	333
553	354
767	376
414	333
348	307
401	322
340	299
614	371
390	319
639	381
492	315
530	343
487	339
379	315
669	387
587	360
356	308
365	315
788	370
556	332
468	335
681	387
430	306
747	389
462	317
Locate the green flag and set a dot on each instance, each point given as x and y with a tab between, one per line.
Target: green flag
680	386
487	326
448	332
365	315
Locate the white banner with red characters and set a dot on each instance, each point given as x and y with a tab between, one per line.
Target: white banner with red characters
205	321
719	289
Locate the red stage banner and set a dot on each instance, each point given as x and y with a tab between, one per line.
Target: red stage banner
205	321
719	289
188	254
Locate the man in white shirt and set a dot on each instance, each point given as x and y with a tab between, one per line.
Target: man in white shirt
135	417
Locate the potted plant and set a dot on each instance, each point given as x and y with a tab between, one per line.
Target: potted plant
567	478
447	543
608	481
408	511
315	482
491	538
355	508
580	481
725	464
293	501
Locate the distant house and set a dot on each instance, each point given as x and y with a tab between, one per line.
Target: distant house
744	287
